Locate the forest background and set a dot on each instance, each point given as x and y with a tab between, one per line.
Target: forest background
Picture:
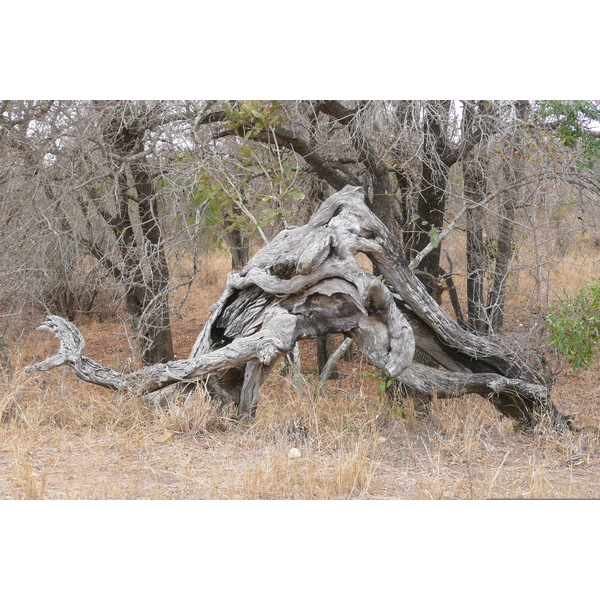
545	291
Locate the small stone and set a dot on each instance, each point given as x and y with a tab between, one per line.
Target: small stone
381	440
294	453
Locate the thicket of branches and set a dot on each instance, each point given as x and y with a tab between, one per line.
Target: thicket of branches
113	203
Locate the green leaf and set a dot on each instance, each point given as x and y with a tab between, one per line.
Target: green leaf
434	237
297	195
245	151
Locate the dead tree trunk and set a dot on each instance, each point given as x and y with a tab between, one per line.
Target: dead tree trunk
307	283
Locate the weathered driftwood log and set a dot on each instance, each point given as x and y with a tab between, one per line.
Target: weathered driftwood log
307	283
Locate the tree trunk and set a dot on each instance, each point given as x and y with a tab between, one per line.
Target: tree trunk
239	247
504	253
307	283
431	206
474	190
155	320
145	272
325	348
513	169
237	242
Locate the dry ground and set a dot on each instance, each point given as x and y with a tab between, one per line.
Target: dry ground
64	439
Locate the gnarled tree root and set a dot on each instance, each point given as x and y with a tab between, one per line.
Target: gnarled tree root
307	283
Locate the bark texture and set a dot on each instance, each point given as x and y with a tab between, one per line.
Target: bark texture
307	283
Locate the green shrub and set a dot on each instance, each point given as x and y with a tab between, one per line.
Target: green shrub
574	326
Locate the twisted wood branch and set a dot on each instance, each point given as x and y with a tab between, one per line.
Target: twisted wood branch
306	283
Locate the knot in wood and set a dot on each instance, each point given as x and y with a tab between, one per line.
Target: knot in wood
284	269
267	351
377	297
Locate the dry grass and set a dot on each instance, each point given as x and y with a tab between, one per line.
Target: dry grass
63	439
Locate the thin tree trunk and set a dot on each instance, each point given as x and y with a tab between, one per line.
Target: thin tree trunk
325	349
237	242
504	254
513	168
431	206
474	190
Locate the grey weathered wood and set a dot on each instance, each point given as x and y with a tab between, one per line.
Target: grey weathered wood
253	379
446	384
273	339
296	364
307	283
331	363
